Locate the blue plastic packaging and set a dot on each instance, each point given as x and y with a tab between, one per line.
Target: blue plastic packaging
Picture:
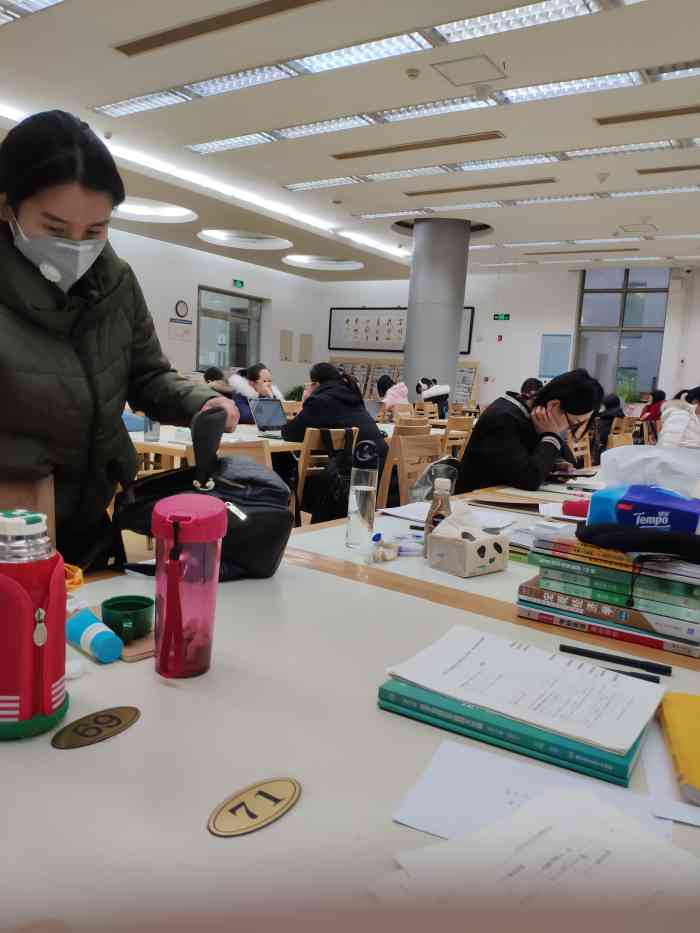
646	507
85	631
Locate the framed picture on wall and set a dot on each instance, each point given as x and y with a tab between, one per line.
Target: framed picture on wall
381	329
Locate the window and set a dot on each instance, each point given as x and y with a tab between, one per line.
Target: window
228	335
620	334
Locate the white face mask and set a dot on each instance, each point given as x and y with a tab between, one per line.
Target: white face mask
60	261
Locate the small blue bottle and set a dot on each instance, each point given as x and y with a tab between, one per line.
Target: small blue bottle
85	631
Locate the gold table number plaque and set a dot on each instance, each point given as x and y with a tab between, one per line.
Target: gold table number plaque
254	807
96	727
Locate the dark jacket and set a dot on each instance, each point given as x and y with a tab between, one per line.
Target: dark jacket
505	450
335	405
605	420
68	363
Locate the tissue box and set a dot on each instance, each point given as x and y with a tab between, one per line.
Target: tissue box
466	552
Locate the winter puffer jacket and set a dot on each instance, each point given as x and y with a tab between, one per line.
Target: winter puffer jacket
680	425
396	395
244	394
68	363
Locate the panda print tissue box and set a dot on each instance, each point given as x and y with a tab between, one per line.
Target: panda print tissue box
466	552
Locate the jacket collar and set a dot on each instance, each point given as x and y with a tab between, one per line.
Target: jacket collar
24	290
513	398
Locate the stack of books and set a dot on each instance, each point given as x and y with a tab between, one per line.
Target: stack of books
603	592
550	706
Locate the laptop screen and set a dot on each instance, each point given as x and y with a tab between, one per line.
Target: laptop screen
268	414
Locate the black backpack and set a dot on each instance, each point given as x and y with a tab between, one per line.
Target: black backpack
257	500
327	491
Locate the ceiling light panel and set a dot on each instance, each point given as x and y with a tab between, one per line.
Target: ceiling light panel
322	183
522	95
638	259
647	192
435	108
380	215
537	243
483	246
233	142
407	173
7	16
34	6
555	199
512	162
324	126
619	150
124	108
239	80
614	239
678	236
361	54
474	206
672	72
534	14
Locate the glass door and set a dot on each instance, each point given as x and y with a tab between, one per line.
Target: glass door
229	330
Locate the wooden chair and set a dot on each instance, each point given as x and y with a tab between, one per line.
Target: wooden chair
412	422
313	453
414	455
650	431
411	430
291	409
460	423
392	457
456	408
581	449
427	409
620	440
259	451
623	426
37	495
402	410
454	443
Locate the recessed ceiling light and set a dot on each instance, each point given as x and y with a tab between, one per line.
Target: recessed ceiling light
324	126
239	80
123	108
520	95
244	239
610	239
483	246
380	215
373	244
687	257
360	54
434	108
555	199
672	72
323	263
537	243
233	142
146	210
406	173
473	206
322	183
618	150
509	162
677	236
493	265
534	14
646	192
562	262
11	113
35	6
637	259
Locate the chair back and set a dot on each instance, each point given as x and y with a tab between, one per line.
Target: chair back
460	423
581	449
414	455
412	422
291	409
620	440
650	431
404	409
259	451
314	454
411	430
37	495
454	443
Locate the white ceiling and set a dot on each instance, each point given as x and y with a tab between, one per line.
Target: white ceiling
65	58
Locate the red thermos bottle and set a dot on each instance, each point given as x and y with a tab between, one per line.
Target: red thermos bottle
33	695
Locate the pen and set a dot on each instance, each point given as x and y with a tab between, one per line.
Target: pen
417	527
652	678
649	666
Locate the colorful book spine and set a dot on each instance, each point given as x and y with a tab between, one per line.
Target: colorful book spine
486	726
581	575
545	615
638	603
583	554
536	591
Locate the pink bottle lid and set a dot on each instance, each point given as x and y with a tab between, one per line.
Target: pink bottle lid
201	518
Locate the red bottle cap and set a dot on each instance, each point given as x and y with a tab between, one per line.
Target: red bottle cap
201	518
576	508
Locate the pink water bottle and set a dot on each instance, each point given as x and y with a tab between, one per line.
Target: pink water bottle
188	530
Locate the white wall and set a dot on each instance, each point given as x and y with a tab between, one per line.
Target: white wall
539	302
680	361
168	273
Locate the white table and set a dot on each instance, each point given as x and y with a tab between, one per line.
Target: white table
173	441
119	829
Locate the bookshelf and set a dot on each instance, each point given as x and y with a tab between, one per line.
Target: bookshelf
367	370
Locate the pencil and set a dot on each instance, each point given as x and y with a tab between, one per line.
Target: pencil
649	666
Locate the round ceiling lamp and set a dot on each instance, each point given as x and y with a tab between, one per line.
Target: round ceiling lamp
148	211
244	239
323	263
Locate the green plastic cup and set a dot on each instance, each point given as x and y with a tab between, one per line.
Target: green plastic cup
129	617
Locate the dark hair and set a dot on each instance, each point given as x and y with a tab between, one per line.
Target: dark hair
384	383
325	372
55	148
679	395
530	387
252	374
425	383
213	374
693	396
658	396
611	402
577	391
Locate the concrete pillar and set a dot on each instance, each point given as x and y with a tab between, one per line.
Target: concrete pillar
436	301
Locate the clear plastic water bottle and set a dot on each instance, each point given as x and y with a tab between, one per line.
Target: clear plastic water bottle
363	496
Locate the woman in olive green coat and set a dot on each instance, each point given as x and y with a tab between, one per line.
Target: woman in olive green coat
76	338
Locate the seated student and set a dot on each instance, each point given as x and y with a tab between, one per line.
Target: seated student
517	443
680	421
529	388
612	409
335	401
652	411
216	380
430	391
249	384
391	393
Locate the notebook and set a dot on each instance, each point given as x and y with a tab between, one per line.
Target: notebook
269	416
680	718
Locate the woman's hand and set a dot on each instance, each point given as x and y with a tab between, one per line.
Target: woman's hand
549	422
233	415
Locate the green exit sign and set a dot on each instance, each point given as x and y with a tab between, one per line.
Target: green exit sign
238	283
501	317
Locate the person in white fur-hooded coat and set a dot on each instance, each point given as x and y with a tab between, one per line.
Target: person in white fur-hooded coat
249	384
680	421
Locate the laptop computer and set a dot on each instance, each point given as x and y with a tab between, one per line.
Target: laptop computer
373	405
269	416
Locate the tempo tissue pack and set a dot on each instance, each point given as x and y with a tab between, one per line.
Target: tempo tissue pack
645	507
